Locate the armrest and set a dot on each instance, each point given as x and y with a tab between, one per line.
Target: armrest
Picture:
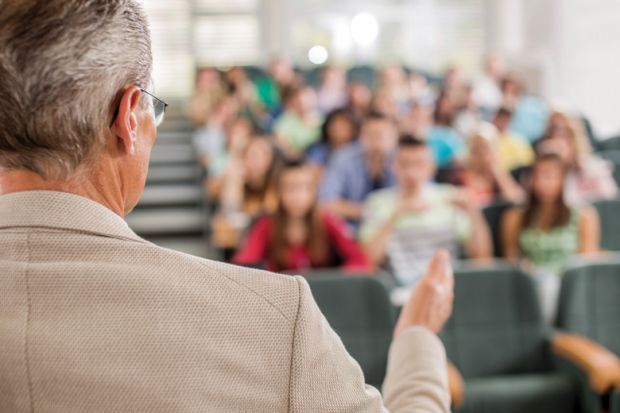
456	386
600	365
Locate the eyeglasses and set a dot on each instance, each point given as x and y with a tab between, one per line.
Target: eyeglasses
159	107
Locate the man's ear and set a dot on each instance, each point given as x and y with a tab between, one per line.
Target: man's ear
125	126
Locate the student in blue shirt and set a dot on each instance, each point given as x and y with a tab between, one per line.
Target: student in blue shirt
360	167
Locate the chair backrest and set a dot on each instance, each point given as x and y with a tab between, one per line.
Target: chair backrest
493	215
610	143
613	156
589	302
360	311
609	210
496	327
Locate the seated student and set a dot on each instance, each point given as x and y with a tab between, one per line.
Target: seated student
360	168
445	143
247	190
299	235
338	130
332	93
513	150
237	135
359	100
210	139
299	126
483	177
589	177
547	232
208	94
407	223
529	113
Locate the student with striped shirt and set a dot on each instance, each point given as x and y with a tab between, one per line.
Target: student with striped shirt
403	226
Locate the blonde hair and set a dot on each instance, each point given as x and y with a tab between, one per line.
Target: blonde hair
577	134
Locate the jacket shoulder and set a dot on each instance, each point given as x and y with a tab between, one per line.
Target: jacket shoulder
279	291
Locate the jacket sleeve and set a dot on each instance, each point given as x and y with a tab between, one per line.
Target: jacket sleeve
325	378
417	374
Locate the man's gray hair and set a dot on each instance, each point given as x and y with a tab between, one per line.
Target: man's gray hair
63	66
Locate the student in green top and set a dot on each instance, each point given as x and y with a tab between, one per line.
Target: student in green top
546	233
299	126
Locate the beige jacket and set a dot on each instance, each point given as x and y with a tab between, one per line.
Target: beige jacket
95	319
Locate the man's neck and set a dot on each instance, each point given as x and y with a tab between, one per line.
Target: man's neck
23	181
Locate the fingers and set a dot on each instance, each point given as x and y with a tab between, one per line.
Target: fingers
440	268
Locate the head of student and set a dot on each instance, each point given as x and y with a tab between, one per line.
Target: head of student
567	138
76	112
547	181
502	119
414	164
297	189
338	129
378	135
482	152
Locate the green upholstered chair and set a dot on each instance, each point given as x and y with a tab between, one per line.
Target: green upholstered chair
589	309
359	310
609	212
613	155
610	143
615	401
499	343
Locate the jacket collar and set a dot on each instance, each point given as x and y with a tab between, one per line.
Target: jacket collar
63	211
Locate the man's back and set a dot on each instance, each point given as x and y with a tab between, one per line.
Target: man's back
100	320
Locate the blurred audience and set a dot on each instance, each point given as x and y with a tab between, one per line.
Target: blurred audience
403	200
589	177
337	131
547	232
298	235
360	168
403	226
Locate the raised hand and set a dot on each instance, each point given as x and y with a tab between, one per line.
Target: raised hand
430	304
